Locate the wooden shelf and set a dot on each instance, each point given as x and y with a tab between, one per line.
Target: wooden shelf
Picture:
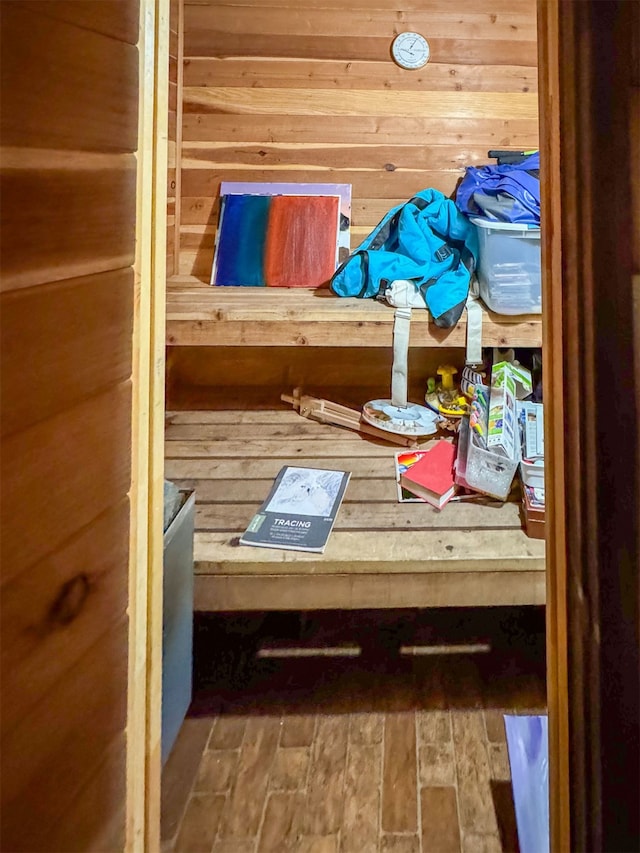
381	553
200	315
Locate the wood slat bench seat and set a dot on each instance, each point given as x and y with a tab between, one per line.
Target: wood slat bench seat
200	315
380	554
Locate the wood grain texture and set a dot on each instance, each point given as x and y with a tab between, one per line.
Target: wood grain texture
201	155
440	832
176	131
493	132
328	102
266	74
381	516
52	614
436	765
347	733
144	725
200	823
179	771
198	315
234	845
53	40
54	740
488	6
80	455
353	591
375	540
216	771
469	22
243	813
174	128
399	793
347	711
173	34
290	769
227	733
117	19
325	801
349	48
95	235
391	843
259	72
69	129
101	801
206	326
634	139
473	774
297	731
593	584
281	824
63	341
412	552
173	96
363	780
381	183
552	69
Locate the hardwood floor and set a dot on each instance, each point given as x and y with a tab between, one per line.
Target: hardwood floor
376	750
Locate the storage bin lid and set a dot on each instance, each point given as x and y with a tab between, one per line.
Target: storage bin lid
497	225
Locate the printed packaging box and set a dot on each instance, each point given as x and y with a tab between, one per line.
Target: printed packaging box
509	382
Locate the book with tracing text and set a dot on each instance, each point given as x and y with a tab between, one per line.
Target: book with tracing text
299	512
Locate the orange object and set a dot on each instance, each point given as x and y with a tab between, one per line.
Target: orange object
302	238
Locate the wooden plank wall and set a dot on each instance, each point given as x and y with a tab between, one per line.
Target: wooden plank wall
279	90
217	377
68	182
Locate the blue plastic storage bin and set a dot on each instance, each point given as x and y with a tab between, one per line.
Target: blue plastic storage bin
509	266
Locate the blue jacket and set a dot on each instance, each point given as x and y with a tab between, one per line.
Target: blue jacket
426	240
510	193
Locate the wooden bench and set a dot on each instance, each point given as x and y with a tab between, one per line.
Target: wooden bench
200	315
381	554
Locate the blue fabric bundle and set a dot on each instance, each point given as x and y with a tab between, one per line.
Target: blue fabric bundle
427	241
507	193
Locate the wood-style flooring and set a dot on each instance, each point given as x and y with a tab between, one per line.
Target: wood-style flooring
378	750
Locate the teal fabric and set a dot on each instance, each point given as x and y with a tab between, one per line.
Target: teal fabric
426	240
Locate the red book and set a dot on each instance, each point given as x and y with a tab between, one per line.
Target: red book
431	478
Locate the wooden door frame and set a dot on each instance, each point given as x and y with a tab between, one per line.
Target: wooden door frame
549	64
578	279
147	499
590	222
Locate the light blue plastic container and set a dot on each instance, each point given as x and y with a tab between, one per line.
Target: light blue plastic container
509	266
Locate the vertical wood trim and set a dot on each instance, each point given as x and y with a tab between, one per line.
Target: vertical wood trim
593	601
634	144
552	322
178	163
146	548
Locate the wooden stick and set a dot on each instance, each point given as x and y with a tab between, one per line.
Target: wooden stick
328	412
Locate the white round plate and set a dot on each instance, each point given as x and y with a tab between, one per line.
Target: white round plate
405	420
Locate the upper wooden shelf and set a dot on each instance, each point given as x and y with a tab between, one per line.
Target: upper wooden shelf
200	315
